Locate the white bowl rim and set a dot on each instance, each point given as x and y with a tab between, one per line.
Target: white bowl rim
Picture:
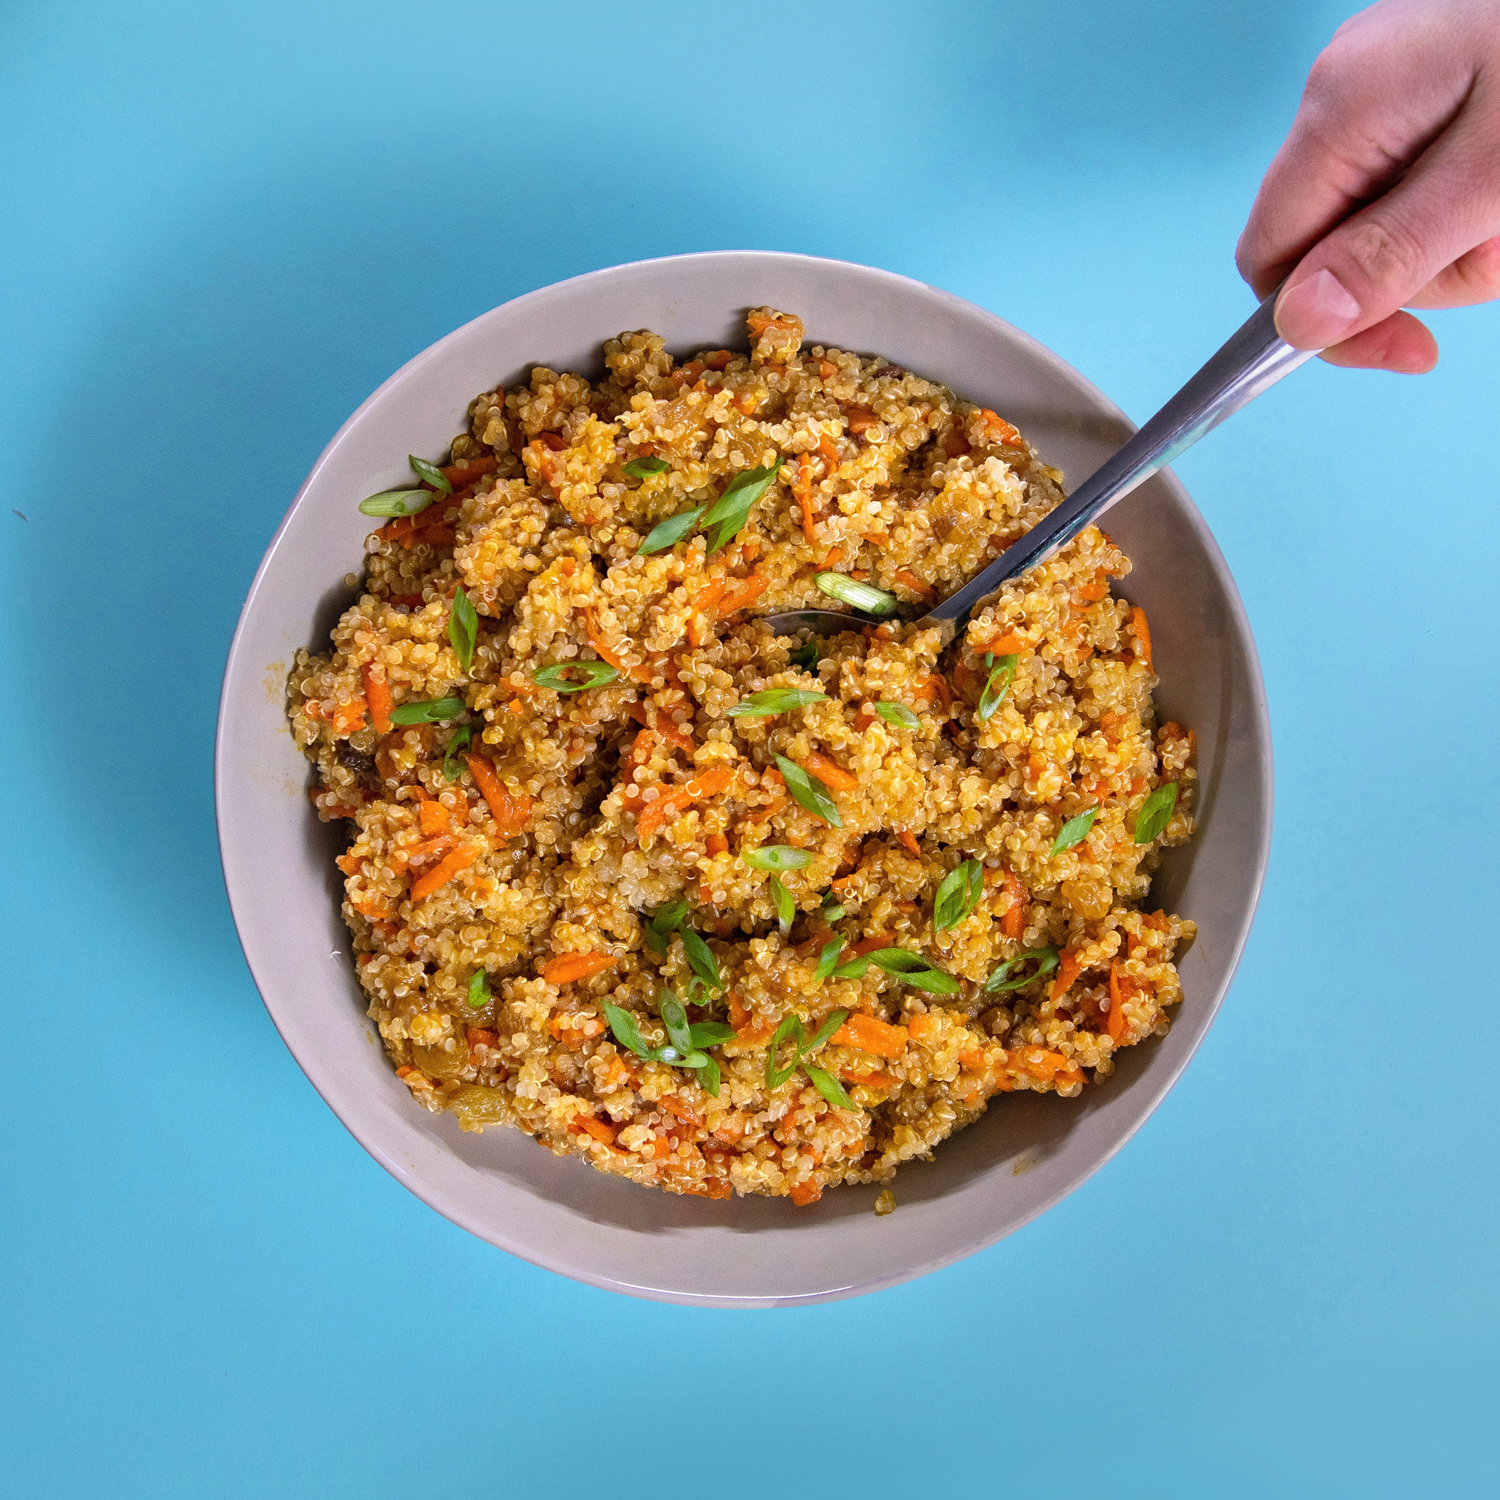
1147	1102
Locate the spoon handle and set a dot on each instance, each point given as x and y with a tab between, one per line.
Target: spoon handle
1252	361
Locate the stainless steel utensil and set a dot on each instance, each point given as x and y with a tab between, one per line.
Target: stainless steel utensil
1253	360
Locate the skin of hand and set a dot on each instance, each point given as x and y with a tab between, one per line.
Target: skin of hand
1386	192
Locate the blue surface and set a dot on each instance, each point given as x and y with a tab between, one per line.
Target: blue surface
224	225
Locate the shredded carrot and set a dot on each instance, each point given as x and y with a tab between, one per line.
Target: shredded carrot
871	1080
829	454
460	475
803	1193
1117	1022
444	871
707	598
1093	592
859	418
910	579
674	799
718	359
1041	1062
829	772
745	594
934	689
713	781
568	967
601	1130
1003	645
1137	620
1013	923
378	696
905	835
716	843
1002	428
660	724
739	1016
833	559
479	1036
568	1028
802	489
511	814
876	538
434	818
870	1034
1067	971
972	1060
923	1028
350	864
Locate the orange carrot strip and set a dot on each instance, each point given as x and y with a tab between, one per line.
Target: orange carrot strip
829	454
459	475
747	593
601	1130
1041	1062
1004	645
668	803
350	864
378	696
674	734
915	584
871	1034
871	944
1002	428
859	418
1067	971
804	1193
1013	923
923	1028
1137	619
711	782
567	967
718	359
876	538
1117	1022
443	872
905	835
433	818
802	489
511	814
829	772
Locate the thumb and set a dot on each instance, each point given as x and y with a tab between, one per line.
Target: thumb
1359	274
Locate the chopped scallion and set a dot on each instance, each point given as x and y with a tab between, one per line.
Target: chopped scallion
463	629
1074	831
857	595
1156	812
776	857
428	711
809	791
590	674
774	701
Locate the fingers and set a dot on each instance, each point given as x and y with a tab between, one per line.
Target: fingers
1402	344
1473	277
1376	98
1360	273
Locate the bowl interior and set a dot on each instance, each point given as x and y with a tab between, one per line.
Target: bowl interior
1030	1149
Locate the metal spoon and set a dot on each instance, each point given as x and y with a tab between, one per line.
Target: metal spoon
1252	361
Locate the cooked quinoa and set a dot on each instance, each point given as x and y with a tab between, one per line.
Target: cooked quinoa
516	866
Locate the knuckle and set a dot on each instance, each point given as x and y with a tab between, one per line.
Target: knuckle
1386	253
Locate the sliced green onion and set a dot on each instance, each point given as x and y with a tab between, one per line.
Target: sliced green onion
456	742
957	895
832	909
809	791
700	959
861	596
1156	812
479	989
666	918
999	982
831	1023
431	473
708	1077
776	857
708	1034
789	1030
732	509
898	714
828	1086
774	701
627	1031
593	674
669	532
806	656
674	1018
639	468
996	685
828	959
855	969
397	502
786	908
463	629
1074	831
428	711
913	969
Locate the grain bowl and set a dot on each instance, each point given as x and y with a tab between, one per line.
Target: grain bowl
1009	958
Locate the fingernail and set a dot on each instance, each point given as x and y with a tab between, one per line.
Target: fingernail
1317	312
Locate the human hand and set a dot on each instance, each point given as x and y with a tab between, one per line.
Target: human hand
1402	114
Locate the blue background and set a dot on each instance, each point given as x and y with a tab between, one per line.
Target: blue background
223	226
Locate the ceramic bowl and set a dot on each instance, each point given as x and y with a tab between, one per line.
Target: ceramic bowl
1029	1150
